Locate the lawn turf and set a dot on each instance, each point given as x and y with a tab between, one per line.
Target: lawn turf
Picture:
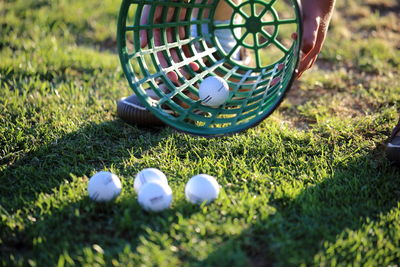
310	185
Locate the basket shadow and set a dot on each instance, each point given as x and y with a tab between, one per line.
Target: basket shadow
91	148
296	232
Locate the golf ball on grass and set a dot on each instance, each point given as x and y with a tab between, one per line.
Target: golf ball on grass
104	186
213	91
155	196
202	188
149	175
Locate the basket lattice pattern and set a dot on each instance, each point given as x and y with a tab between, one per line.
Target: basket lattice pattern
179	33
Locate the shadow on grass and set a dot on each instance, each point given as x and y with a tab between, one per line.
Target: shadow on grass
91	148
89	232
362	190
70	228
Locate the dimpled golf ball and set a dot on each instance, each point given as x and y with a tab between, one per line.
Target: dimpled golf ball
148	175
202	188
104	186
213	91
155	196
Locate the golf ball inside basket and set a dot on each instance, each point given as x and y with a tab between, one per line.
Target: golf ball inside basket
104	186
155	196
148	175
202	188
213	91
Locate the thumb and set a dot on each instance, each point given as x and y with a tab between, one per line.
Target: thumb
310	32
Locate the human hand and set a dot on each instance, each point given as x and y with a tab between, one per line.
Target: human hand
316	18
157	34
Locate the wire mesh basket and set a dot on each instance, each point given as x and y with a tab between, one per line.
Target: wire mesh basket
177	34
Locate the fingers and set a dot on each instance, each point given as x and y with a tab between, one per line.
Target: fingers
308	60
316	18
309	39
175	57
162	59
313	37
305	64
164	63
144	19
158	40
186	51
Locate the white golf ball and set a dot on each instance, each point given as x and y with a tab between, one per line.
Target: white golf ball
104	186
149	175
202	188
155	196
213	91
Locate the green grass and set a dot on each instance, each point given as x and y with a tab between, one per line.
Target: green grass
309	186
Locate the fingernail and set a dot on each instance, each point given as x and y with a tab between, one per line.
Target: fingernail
172	76
194	66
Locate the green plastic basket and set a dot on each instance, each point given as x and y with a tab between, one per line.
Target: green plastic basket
264	28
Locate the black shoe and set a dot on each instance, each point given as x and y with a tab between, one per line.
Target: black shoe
131	110
393	146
